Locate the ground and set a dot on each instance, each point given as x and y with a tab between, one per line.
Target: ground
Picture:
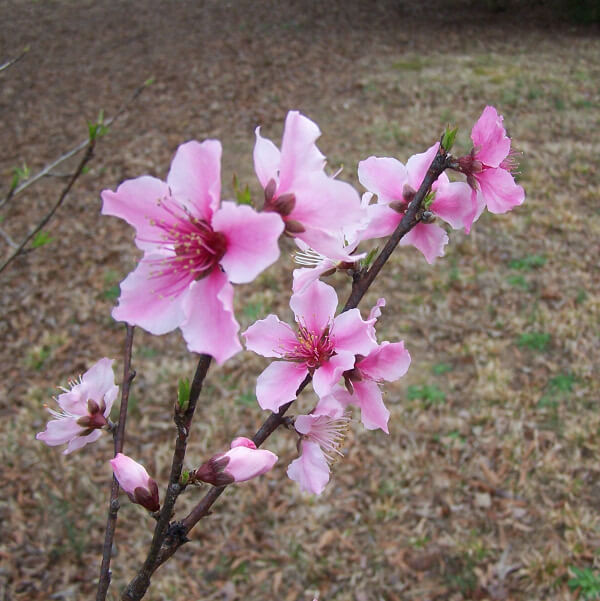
487	486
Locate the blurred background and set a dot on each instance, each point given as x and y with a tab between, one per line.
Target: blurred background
488	485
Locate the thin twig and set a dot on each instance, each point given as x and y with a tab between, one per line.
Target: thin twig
183	420
86	158
177	533
9	63
83	144
8	239
119	439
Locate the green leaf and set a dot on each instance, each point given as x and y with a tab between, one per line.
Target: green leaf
185	477
40	239
19	174
183	394
429	199
448	138
150	81
370	257
242	195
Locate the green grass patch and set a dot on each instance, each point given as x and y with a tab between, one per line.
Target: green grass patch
536	341
518	281
247	399
430	394
528	262
439	369
586	581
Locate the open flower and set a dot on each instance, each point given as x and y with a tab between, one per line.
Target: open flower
242	462
396	186
489	165
322	434
314	206
135	481
324	346
194	246
84	409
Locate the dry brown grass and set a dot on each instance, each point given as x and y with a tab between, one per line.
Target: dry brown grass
488	484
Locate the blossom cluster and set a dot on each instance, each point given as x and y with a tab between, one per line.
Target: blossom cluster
196	246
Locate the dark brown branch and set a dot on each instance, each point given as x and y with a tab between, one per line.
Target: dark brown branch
13	61
177	535
119	439
183	420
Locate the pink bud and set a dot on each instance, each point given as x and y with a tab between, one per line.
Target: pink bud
242	462
136	482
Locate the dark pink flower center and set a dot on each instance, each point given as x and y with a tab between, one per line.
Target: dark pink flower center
196	247
312	348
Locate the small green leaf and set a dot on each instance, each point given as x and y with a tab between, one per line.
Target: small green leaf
40	239
370	257
429	200
185	477
448	138
19	174
149	81
242	195
183	394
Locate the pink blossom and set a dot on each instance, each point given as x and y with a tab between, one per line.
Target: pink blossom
194	246
396	185
135	481
314	206
84	409
324	346
322	434
242	462
489	165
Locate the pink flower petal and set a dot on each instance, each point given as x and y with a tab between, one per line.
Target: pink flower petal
270	337
246	463
489	138
195	177
305	276
327	376
310	470
98	383
315	307
453	203
499	189
59	431
326	243
383	176
210	326
373	413
418	164
81	441
137	201
430	239
353	334
267	159
299	153
389	361
242	441
323	202
145	300
382	221
251	240
277	385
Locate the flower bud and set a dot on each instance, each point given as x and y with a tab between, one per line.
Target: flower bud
242	462
270	191
135	481
408	193
284	204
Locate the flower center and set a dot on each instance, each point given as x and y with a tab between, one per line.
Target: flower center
330	434
312	348
195	249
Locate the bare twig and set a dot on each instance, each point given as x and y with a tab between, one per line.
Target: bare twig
83	144
119	439
176	535
183	420
9	63
8	239
86	158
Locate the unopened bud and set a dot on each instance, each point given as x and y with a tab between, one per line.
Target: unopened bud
135	481
427	217
468	164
